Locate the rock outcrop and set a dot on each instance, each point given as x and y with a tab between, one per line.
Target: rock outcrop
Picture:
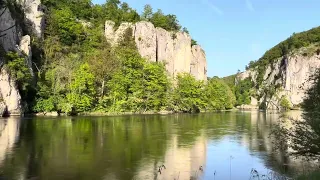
159	45
9	32
13	39
10	93
198	63
291	76
146	40
34	14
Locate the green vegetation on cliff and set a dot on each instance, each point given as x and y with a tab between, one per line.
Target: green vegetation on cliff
77	70
281	50
305	43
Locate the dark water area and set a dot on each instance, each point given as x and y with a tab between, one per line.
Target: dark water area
226	145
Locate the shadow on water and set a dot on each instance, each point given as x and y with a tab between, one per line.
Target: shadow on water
178	146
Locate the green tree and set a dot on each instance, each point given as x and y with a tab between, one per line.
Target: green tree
242	91
147	12
126	86
19	71
129	14
218	95
193	42
284	103
304	135
82	90
156	86
103	64
62	23
188	95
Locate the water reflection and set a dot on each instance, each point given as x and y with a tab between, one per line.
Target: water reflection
9	133
227	145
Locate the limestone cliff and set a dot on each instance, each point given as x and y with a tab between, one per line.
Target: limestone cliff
12	38
289	74
159	45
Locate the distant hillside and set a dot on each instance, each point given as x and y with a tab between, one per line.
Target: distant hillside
296	41
280	78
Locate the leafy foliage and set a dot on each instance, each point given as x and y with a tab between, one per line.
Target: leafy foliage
219	95
284	103
188	95
82	90
19	70
304	136
242	91
79	71
159	19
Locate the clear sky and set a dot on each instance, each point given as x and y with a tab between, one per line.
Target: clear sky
234	32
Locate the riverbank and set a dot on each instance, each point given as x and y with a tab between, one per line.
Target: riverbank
97	113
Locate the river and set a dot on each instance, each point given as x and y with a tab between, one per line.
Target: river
207	146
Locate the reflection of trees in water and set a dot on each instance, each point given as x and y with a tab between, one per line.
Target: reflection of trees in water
122	147
86	148
262	129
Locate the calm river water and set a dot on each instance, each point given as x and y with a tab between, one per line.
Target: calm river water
206	146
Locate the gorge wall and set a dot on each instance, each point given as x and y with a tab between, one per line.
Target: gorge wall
159	45
290	74
12	38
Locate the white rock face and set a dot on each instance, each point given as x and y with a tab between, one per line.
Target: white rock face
246	74
115	36
159	45
182	55
146	40
25	48
291	75
9	32
109	31
34	15
298	71
10	93
199	63
165	49
12	39
9	38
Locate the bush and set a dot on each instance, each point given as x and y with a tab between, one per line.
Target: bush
284	103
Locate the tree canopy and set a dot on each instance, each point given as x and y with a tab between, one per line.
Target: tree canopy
77	70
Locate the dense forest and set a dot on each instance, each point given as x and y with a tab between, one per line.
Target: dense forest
77	70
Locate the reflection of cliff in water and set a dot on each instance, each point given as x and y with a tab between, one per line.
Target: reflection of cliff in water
9	133
180	162
133	147
260	139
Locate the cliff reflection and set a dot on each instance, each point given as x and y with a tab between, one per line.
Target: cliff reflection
9	133
133	147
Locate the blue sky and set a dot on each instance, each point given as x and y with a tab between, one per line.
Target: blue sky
234	32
